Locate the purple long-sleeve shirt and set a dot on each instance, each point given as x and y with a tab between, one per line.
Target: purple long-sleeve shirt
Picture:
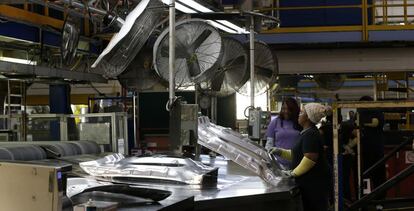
284	136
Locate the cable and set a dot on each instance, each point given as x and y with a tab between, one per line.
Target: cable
169	105
100	93
247	108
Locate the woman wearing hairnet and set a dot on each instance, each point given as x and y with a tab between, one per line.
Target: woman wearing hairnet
309	164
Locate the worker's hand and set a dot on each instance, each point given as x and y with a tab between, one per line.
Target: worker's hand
275	150
287	173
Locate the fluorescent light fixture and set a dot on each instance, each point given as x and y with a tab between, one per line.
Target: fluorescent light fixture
180	7
191	7
233	26
196	6
221	27
15	60
183	8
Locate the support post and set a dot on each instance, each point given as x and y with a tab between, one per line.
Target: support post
335	157
252	65
171	59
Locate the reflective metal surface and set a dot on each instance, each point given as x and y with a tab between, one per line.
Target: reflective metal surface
239	149
157	168
77	186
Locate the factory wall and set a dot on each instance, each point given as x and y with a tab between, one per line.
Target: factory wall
321	17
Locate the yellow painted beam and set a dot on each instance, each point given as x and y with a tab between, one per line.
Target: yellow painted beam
77	99
26	16
390	27
310	7
338	29
313	29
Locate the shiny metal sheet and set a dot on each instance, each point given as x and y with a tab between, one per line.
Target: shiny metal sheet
239	149
116	167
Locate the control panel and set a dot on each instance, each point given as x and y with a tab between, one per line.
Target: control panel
258	122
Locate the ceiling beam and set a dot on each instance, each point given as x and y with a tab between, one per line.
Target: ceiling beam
29	17
15	70
352	60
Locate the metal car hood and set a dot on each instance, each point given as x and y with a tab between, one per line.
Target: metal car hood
240	150
78	185
118	168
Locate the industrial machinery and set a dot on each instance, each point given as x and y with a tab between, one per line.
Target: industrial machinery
265	69
331	82
232	72
258	120
184	128
125	45
32	186
139	75
199	49
70	39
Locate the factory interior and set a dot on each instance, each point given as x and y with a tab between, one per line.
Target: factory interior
206	105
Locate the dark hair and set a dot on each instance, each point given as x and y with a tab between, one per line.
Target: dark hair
294	111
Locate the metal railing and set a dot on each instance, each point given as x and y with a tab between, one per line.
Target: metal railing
376	15
110	129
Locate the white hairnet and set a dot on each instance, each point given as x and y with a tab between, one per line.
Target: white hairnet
316	112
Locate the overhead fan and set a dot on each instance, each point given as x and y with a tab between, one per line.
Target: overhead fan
125	45
70	39
232	72
199	48
265	69
139	75
331	82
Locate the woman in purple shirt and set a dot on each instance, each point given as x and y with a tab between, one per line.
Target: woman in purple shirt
283	131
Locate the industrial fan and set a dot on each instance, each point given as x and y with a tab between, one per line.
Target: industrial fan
232	72
139	75
70	40
265	69
125	45
199	48
331	82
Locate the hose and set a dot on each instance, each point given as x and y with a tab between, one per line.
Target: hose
247	108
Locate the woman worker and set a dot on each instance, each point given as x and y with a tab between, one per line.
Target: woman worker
310	167
283	131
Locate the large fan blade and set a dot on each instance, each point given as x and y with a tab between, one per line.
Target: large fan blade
238	60
165	51
179	53
200	39
199	50
264	71
217	82
193	66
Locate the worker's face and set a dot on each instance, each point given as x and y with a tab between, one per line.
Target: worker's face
351	115
285	111
303	117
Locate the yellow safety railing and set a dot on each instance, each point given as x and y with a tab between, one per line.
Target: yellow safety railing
381	17
27	6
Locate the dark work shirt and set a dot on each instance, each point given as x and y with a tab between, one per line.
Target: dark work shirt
327	129
310	141
372	137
